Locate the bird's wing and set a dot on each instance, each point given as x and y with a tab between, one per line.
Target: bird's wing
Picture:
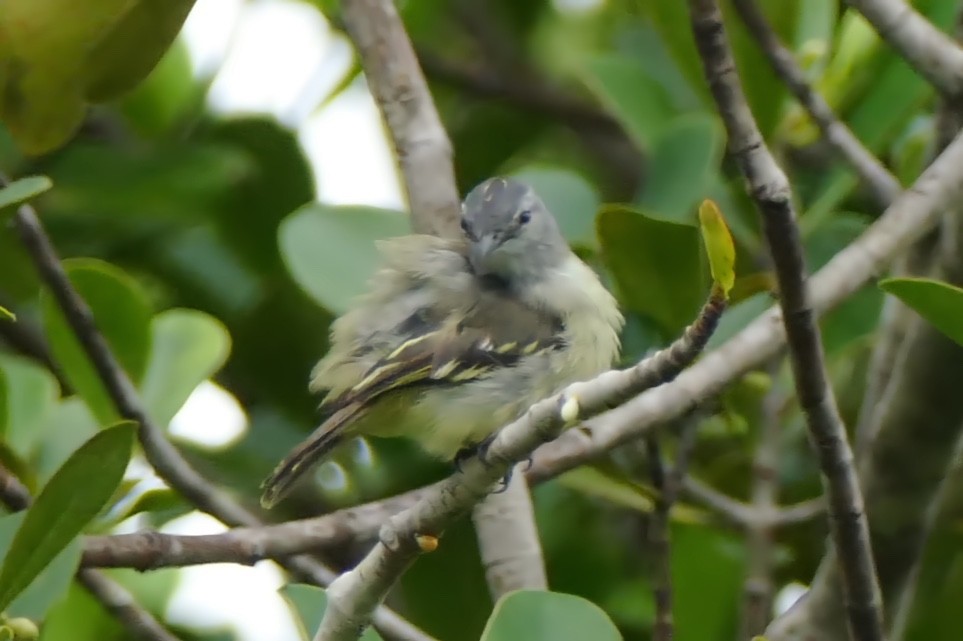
434	346
451	347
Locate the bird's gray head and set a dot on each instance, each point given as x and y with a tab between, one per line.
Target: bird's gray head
511	233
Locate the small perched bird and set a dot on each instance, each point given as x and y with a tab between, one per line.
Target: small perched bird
458	337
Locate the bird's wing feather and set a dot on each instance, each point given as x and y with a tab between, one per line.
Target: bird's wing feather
446	351
439	349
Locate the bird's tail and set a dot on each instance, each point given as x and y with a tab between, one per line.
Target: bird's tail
324	439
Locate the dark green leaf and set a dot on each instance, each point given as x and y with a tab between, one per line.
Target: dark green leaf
20	191
51	584
941	304
121	312
707	570
631	94
188	347
657	265
570	198
331	252
535	615
686	152
308	603
73	496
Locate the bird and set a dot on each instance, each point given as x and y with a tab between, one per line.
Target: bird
456	337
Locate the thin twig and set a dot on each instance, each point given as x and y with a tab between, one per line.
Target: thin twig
417	135
883	185
539	98
27	341
758	586
113	596
660	545
354	594
931	52
162	455
667	484
770	190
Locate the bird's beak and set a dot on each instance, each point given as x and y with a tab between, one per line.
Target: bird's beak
481	249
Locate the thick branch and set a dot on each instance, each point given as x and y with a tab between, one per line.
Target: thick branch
912	420
161	454
770	190
508	539
930	51
416	132
115	599
884	186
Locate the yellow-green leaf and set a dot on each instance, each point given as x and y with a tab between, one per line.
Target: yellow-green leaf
719	246
22	190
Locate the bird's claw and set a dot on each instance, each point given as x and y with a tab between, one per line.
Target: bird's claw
481	450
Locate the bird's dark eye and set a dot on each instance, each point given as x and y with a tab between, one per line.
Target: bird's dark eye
524	217
466	227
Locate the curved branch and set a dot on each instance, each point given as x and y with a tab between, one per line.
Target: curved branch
354	594
162	455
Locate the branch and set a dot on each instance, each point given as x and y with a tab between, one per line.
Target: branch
505	523
758	588
909	437
354	594
162	455
931	52
27	341
539	97
745	515
883	185
667	484
417	135
770	190
115	599
145	551
508	539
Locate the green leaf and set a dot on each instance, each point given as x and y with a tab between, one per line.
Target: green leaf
73	496
707	570
308	603
719	245
121	313
941	304
52	584
535	615
657	265
188	347
20	191
858	316
630	93
685	157
569	197
330	251
31	394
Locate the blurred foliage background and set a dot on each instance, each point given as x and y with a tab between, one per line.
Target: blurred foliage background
200	243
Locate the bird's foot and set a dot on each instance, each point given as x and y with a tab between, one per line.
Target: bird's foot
481	450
